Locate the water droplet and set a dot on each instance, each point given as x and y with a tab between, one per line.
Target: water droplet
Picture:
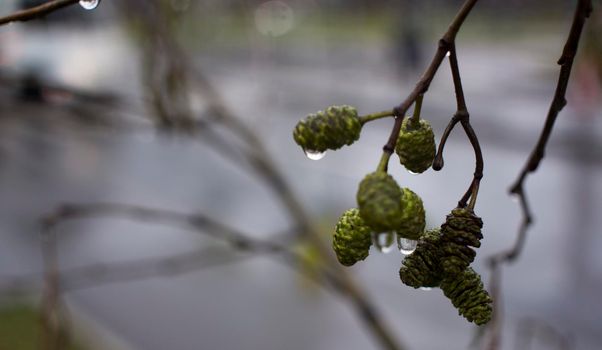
426	288
383	241
89	4
413	173
314	155
515	198
448	54
406	246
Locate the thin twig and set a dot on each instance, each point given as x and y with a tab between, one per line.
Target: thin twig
37	11
463	117
415	120
423	84
583	9
439	161
582	12
374	116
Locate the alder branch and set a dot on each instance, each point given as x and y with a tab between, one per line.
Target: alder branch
37	11
463	117
582	12
445	43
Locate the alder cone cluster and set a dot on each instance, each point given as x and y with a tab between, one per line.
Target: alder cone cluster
442	258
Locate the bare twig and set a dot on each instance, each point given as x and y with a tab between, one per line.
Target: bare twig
37	11
582	12
463	117
445	43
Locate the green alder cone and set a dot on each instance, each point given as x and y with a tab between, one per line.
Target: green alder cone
422	268
416	145
352	238
332	129
380	202
413	217
468	295
461	231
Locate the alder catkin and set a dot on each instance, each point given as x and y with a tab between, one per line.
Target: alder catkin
416	145
352	238
413	217
331	129
379	199
468	295
460	232
422	267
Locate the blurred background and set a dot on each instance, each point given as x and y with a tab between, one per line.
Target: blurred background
166	104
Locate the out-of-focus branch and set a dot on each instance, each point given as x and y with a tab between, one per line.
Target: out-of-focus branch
529	329
53	312
199	223
582	12
37	11
104	273
265	169
95	274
